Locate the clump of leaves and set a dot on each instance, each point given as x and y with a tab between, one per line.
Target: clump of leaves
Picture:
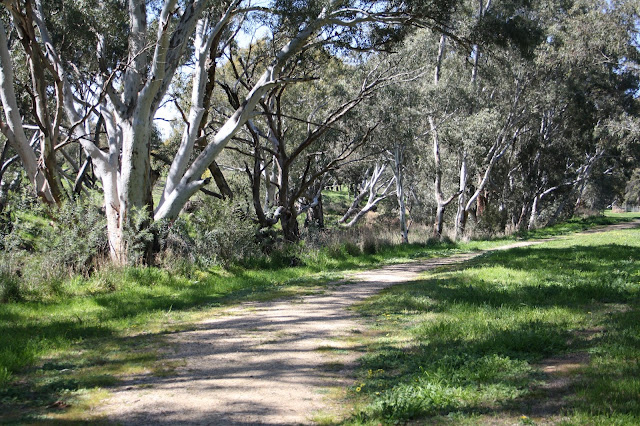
216	232
41	246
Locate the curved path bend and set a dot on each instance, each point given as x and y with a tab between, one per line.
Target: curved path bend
267	362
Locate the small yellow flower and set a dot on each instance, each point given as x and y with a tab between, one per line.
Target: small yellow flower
358	389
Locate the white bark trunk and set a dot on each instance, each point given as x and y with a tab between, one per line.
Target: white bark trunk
13	128
270	188
377	192
462	198
202	44
534	213
398	163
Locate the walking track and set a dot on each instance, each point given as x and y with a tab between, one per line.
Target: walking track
266	362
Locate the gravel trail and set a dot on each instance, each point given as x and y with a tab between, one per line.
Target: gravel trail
263	363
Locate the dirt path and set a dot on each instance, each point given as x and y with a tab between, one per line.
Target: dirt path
262	363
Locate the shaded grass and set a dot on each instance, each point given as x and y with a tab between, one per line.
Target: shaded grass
60	348
463	345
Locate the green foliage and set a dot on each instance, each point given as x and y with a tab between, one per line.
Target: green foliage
632	189
9	288
224	233
78	235
41	247
138	235
217	232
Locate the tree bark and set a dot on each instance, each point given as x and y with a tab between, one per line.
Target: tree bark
398	156
461	215
290	227
14	131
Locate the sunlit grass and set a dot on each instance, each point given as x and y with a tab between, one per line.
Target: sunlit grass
87	333
464	345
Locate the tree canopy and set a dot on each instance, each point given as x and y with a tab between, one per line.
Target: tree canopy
512	113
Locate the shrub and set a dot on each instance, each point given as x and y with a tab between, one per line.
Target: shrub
216	232
369	246
41	246
352	249
10	290
78	236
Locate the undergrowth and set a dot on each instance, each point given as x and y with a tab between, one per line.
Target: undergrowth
66	338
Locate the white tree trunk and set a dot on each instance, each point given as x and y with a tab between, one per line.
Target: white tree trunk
534	213
377	192
13	128
462	198
398	172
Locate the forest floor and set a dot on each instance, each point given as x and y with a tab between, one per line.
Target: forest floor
278	362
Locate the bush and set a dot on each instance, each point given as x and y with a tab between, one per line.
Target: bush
78	237
10	290
369	246
217	232
41	246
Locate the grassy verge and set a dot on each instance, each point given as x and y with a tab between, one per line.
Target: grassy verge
60	349
547	333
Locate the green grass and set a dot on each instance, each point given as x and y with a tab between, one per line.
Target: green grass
68	343
579	224
466	345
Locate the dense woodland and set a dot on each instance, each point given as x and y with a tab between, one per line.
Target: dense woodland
303	121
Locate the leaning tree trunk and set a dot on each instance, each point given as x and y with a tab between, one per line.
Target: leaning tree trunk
461	215
398	160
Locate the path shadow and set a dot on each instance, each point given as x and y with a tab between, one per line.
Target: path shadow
452	354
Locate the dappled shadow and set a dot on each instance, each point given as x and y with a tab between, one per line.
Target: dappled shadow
259	364
563	277
453	352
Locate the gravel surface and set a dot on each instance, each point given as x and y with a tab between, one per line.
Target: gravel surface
263	363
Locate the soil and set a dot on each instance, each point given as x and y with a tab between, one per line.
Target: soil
271	362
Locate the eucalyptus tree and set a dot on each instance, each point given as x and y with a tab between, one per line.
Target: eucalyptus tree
303	132
134	52
586	119
41	168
